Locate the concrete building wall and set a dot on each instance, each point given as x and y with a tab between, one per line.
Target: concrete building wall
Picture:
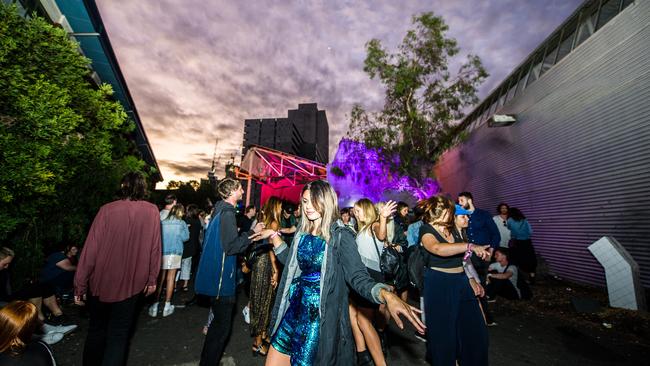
577	161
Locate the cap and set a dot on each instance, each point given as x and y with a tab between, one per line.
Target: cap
460	210
288	207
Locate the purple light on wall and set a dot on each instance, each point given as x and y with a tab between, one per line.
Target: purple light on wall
357	172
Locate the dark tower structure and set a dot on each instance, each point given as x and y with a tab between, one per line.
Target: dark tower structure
304	133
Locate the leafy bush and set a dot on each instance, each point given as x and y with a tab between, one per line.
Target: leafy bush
63	141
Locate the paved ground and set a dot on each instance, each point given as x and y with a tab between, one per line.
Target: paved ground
517	340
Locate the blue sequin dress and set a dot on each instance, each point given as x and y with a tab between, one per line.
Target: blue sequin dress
297	335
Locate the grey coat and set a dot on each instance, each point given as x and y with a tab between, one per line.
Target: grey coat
341	266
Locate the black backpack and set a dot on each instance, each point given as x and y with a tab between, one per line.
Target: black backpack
416	261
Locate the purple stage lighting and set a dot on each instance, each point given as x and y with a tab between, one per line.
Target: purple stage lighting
358	171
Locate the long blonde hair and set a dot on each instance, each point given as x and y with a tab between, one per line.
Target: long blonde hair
370	215
324	200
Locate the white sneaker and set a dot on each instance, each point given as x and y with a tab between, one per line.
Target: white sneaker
153	310
51	338
247	314
63	329
168	309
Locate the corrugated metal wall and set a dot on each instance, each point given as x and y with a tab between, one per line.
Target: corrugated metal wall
577	161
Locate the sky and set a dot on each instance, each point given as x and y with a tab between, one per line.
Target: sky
197	69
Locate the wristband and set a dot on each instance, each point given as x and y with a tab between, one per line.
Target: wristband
274	235
468	252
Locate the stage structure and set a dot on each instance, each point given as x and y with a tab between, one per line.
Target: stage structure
280	174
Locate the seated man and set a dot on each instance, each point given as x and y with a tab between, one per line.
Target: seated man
37	293
502	277
59	270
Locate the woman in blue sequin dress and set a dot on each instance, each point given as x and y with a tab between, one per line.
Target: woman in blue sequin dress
298	331
310	322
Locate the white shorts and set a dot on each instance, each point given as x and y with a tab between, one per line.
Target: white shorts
171	261
186	269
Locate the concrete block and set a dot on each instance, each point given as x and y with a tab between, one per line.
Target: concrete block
621	272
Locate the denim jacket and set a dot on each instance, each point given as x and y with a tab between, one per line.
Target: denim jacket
174	233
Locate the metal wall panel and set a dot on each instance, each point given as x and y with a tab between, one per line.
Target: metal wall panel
577	161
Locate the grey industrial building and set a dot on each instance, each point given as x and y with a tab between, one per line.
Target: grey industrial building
304	133
577	159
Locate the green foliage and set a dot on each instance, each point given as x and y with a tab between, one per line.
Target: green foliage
423	99
63	141
190	192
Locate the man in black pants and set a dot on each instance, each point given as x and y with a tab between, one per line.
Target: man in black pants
502	277
216	274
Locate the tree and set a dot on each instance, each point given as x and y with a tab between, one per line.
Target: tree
63	141
422	100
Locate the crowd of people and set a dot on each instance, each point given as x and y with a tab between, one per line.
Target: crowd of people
317	277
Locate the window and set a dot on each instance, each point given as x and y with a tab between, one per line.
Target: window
534	71
587	23
607	12
512	91
551	52
626	3
522	80
568	34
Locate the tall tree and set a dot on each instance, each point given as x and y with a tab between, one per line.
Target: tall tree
423	98
63	140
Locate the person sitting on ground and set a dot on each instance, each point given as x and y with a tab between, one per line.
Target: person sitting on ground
38	294
59	270
19	321
502	277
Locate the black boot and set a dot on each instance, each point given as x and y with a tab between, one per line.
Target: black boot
364	359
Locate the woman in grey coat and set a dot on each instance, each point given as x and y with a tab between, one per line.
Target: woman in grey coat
310	322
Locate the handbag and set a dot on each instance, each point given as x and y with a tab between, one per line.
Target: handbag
392	265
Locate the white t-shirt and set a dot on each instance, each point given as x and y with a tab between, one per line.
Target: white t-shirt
496	266
503	231
368	249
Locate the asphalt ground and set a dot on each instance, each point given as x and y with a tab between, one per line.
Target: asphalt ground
518	339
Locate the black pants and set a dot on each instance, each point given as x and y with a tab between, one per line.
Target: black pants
503	288
523	255
219	331
108	331
481	268
456	330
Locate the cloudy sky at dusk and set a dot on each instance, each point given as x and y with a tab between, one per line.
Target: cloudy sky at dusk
196	69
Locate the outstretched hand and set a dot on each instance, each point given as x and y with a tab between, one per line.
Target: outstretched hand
482	251
262	234
397	307
389	208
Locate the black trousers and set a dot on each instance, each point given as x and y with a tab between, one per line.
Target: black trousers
108	331
219	331
481	268
456	331
503	288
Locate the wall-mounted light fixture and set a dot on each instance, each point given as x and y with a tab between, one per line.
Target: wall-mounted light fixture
501	120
